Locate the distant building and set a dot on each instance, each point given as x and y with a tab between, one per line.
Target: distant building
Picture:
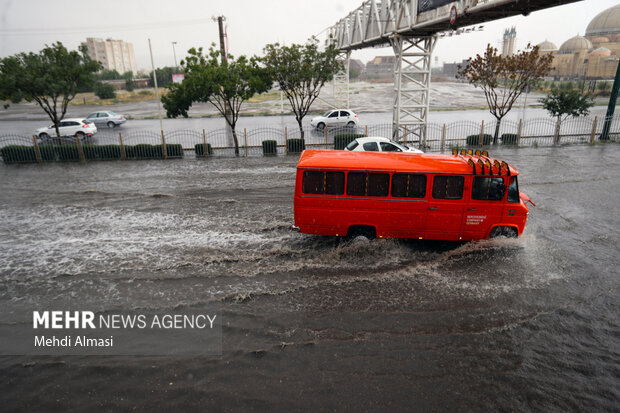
112	54
450	69
593	56
380	65
508	47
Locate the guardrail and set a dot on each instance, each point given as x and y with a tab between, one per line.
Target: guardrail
183	143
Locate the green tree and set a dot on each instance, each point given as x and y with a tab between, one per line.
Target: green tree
106	74
164	76
564	103
301	71
130	85
51	78
104	91
225	85
504	78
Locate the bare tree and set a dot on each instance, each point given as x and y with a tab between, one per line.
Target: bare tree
503	79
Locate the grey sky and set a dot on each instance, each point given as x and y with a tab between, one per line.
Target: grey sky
27	25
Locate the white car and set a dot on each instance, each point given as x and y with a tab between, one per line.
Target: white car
69	127
108	118
335	117
378	144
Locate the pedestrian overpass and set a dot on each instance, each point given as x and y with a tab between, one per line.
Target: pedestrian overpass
411	28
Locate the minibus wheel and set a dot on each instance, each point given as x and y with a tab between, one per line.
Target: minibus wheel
361	231
508	232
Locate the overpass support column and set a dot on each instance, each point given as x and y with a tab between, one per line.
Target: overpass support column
412	82
341	81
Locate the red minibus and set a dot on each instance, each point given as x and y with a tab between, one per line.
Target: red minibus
401	195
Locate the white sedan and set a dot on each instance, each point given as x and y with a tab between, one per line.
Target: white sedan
336	117
378	144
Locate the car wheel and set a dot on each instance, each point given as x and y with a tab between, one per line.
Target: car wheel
44	136
351	124
80	135
320	126
111	124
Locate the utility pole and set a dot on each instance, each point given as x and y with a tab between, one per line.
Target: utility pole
161	123
612	105
175	54
220	22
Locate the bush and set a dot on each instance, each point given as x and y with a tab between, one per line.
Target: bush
48	153
174	150
294	145
104	91
18	154
67	153
342	140
101	152
509	138
199	148
130	85
270	148
474	140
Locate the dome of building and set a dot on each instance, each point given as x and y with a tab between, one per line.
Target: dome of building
605	23
546	46
574	44
599	39
601	51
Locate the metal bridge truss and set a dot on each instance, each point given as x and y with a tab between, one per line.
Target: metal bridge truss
411	27
341	81
412	82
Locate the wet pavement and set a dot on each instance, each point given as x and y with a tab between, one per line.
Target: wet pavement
528	324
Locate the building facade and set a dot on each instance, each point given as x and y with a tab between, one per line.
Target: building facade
112	54
593	56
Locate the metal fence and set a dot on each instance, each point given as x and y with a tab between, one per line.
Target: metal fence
184	143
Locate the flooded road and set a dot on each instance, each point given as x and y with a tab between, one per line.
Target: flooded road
308	323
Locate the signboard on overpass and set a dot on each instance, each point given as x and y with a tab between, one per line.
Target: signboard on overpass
426	5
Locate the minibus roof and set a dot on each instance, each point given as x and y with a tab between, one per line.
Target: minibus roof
394	161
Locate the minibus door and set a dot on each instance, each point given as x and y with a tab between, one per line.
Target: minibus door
445	208
444	219
484	207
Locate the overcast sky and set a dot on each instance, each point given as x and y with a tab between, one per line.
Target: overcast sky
27	25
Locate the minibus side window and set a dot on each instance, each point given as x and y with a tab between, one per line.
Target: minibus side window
408	186
323	182
448	187
368	184
487	188
378	184
334	183
513	190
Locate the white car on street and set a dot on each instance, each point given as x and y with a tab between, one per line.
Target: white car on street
335	117
378	144
79	127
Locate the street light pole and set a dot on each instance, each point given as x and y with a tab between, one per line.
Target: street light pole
175	55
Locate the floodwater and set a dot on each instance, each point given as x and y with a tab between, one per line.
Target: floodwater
309	324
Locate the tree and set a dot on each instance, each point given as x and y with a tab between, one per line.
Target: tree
50	78
564	103
164	76
504	78
301	71
226	84
106	74
130	85
104	91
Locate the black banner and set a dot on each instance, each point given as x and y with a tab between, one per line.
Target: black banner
426	5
